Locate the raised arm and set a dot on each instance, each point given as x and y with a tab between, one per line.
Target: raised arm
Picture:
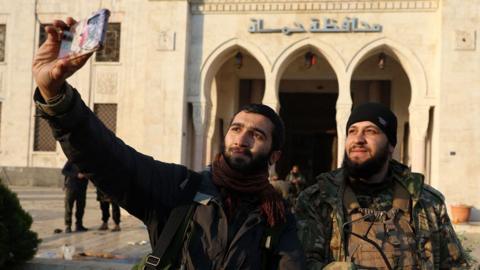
137	182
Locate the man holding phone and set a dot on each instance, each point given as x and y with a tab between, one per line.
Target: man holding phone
239	221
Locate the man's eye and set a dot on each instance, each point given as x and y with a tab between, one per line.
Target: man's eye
258	136
234	128
351	131
371	131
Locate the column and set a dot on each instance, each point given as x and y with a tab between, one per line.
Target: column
200	111
344	108
419	118
343	112
270	98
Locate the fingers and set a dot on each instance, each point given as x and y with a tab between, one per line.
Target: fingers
70	21
61	25
53	35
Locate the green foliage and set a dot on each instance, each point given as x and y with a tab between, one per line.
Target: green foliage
17	243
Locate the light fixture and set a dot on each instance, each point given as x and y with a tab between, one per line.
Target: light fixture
310	59
381	60
238	60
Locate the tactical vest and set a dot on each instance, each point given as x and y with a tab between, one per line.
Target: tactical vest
380	239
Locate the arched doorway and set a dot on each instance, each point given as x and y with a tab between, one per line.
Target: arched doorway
381	78
308	90
240	80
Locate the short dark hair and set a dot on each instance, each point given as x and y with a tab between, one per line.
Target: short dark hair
278	133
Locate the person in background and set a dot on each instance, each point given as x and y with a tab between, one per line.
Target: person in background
105	203
297	180
75	185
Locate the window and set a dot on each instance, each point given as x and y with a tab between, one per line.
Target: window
107	113
111	49
43	35
0	113
43	139
3	30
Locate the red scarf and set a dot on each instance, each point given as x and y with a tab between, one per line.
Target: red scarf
271	202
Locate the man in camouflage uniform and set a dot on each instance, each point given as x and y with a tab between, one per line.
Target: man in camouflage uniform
374	213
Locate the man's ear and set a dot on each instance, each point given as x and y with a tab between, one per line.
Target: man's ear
274	157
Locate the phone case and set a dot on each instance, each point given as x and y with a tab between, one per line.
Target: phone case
86	35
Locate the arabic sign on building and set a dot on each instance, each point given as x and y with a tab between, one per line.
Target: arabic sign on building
348	25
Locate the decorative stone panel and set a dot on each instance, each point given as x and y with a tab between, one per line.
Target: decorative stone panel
465	40
309	6
166	40
2	89
106	83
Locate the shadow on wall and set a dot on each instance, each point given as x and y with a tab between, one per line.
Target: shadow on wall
475	214
23	176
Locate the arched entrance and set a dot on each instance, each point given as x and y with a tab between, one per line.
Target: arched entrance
308	90
381	78
240	80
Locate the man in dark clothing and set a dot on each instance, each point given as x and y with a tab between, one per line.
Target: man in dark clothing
105	203
374	213
75	193
235	204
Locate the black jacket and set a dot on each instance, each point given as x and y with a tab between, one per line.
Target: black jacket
70	171
150	189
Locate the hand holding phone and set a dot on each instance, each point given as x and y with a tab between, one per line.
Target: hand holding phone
85	36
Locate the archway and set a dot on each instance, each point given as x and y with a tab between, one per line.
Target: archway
380	77
308	91
240	80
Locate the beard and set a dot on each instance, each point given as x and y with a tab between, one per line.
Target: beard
369	167
247	165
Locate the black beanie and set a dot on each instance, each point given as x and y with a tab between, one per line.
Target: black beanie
378	114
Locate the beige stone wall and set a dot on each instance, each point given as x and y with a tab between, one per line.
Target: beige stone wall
459	133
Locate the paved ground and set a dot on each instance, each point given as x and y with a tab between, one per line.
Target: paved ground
103	247
113	250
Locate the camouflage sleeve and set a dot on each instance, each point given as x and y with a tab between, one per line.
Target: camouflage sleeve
314	228
452	254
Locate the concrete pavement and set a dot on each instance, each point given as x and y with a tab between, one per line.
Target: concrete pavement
93	249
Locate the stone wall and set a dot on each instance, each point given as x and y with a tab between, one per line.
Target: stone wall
24	176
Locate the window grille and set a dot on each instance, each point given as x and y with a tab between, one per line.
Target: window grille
43	139
111	49
3	30
107	113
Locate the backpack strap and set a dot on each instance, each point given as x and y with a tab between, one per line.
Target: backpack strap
180	214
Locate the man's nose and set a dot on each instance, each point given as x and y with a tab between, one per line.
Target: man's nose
359	137
244	139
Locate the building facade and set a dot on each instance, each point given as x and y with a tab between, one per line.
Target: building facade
173	73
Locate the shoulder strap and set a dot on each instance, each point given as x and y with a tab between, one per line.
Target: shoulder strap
177	216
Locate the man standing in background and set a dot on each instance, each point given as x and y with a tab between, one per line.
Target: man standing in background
75	193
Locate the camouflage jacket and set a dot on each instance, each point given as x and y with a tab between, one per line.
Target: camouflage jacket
320	215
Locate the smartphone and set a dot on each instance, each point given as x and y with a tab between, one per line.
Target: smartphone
85	36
